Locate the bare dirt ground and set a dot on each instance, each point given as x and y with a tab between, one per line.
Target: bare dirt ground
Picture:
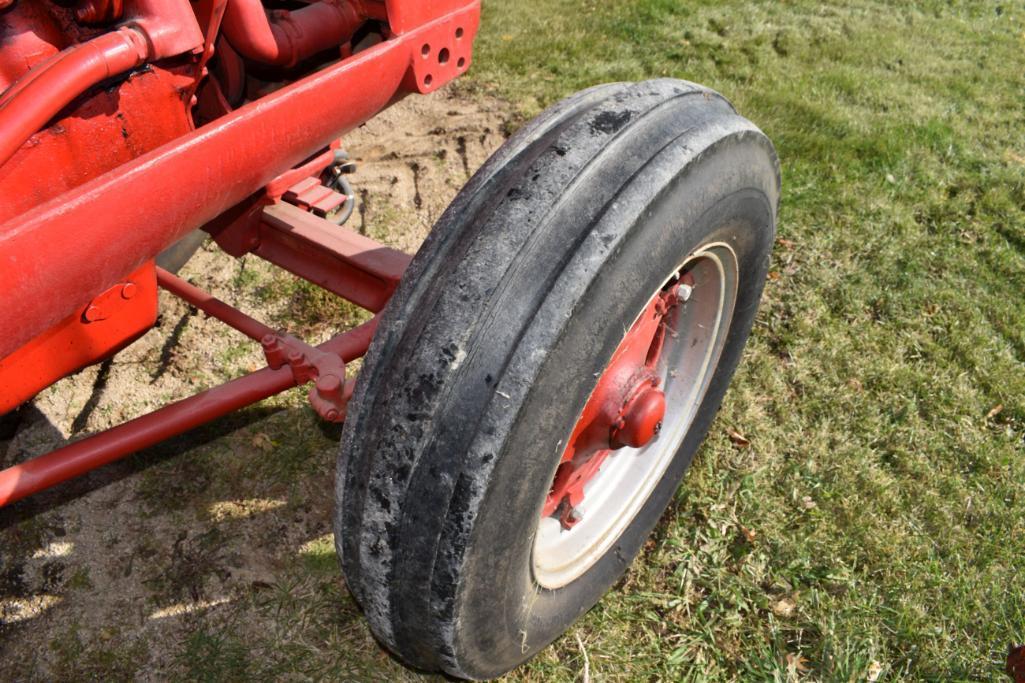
210	556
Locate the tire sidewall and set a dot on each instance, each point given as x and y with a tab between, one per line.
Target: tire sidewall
713	199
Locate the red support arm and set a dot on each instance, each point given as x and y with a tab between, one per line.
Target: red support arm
75	459
252	328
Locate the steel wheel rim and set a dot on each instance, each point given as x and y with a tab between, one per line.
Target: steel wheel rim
626	478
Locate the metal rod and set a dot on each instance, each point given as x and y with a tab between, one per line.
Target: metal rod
75	459
212	306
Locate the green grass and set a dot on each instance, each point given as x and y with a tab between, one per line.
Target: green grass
874	527
877	520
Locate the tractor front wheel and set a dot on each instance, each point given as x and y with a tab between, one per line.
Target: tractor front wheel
547	369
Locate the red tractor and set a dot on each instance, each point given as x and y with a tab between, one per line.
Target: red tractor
536	378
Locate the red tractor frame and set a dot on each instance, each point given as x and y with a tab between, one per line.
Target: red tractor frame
537	378
85	187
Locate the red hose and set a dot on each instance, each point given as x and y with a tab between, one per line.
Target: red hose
288	37
39	95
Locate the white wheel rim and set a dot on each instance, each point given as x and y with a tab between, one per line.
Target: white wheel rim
617	492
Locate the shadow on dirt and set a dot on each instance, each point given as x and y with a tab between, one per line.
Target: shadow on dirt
30	417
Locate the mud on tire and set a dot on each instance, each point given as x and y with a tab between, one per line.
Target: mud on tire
488	353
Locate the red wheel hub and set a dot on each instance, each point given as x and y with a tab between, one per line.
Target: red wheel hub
626	407
642	417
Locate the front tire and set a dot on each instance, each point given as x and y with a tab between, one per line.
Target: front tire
498	339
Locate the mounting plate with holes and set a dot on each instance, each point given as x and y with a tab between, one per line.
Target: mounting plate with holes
445	52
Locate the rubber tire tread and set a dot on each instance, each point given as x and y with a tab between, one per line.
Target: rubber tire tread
408	483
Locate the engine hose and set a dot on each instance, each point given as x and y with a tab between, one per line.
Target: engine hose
342	185
285	38
26	107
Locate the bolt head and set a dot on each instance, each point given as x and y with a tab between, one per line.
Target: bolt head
684	291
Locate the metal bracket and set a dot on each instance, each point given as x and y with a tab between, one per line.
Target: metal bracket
329	394
109	302
311	195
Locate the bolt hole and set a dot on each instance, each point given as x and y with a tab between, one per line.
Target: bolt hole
428	79
459	33
425	50
443	56
461	63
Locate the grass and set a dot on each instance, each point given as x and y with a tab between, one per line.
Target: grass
875	525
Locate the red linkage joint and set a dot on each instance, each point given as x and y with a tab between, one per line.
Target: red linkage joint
329	394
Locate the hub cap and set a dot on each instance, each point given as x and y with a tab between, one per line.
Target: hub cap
637	416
